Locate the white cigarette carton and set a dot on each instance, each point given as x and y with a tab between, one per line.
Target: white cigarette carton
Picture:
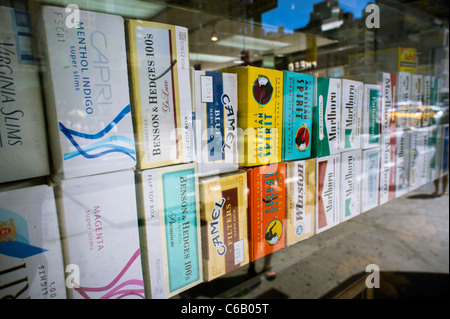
402	162
86	92
424	150
387	168
168	200
350	184
416	101
351	107
23	140
328	192
371	114
415	157
99	228
215	105
426	100
403	108
370	179
31	261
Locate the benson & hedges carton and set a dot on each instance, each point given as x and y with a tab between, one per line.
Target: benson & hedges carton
402	163
168	207
326	117
351	112
223	209
86	92
267	209
300	195
298	100
99	229
370	178
387	168
260	116
31	261
350	175
216	126
161	94
328	192
403	109
23	140
371	125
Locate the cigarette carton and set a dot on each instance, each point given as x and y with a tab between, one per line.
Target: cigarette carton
426	100
326	117
300	194
216	125
260	117
298	100
168	207
402	163
23	140
387	168
403	109
86	92
328	192
424	136
158	57
99	229
371	126
416	101
415	159
31	262
223	209
370	178
435	152
388	102
351	112
267	209
350	175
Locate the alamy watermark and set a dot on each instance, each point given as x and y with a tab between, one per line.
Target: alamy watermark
373	279
373	19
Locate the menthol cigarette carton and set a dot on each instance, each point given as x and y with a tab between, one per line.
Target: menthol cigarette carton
99	228
402	162
31	261
350	174
158	56
168	201
370	178
387	168
351	113
403	109
416	101
298	100
86	92
326	117
223	209
301	195
328	192
371	116
23	140
216	125
388	101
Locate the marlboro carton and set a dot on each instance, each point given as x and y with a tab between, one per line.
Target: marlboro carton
402	163
23	139
298	99
326	117
161	95
350	175
371	126
223	209
415	159
403	109
426	100
351	107
300	194
416	101
216	126
387	168
260	117
86	92
99	230
170	237
370	178
267	209
388	102
328	192
31	261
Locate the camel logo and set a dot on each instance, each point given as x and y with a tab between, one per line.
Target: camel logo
262	90
302	138
274	231
7	231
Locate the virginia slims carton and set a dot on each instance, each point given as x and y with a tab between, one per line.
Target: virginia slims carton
328	192
298	100
23	139
31	261
86	92
326	117
99	229
168	204
351	113
223	209
216	126
350	193
158	56
300	200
